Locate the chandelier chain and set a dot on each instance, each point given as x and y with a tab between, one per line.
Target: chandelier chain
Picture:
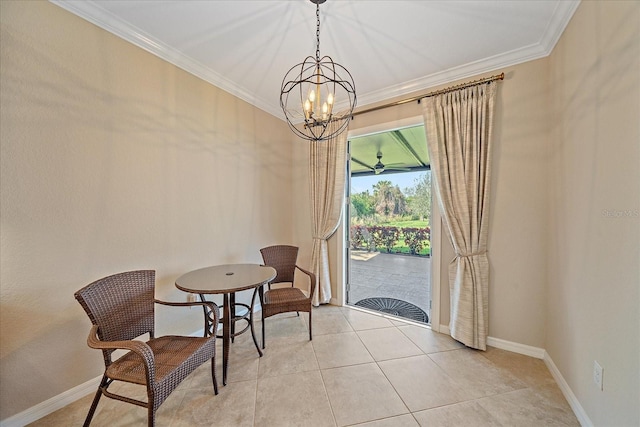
318	32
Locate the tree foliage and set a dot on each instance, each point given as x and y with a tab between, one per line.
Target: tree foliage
420	196
389	199
362	204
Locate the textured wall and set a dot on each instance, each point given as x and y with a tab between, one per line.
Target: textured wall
112	160
594	248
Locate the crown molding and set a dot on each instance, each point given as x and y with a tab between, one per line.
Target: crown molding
561	17
93	13
559	20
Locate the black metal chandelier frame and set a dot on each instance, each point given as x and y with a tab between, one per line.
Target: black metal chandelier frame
307	116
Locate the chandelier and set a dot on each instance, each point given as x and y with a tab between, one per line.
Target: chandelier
318	95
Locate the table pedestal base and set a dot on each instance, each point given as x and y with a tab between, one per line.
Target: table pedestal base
228	326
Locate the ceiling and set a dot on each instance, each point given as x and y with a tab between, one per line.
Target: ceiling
391	48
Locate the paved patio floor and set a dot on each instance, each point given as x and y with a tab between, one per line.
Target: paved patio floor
402	277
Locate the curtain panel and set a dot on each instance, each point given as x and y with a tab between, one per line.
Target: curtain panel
327	166
459	125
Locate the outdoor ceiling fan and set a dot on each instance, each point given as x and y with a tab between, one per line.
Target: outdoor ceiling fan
380	167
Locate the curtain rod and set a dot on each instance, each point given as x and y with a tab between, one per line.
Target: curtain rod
437	92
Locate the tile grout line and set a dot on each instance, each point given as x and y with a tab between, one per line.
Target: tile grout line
382	371
324	386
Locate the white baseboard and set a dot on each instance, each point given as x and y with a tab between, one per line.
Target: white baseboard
539	353
51	405
568	393
515	347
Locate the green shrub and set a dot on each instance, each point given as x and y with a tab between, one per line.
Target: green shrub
416	238
391	238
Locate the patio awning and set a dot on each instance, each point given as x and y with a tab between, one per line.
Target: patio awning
400	150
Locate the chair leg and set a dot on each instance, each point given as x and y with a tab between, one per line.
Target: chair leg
310	335
263	332
261	296
151	407
213	376
253	330
96	399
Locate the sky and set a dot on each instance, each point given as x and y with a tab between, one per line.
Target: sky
402	180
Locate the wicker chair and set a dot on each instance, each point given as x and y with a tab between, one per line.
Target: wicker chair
283	259
121	308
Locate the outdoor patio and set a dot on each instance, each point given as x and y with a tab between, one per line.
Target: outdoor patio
402	277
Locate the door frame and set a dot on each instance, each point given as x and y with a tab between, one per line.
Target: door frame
436	228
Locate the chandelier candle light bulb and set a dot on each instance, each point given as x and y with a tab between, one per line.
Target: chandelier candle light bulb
307	108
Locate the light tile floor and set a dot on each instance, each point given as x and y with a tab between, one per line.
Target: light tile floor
360	369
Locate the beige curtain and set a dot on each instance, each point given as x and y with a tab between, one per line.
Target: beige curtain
327	166
458	125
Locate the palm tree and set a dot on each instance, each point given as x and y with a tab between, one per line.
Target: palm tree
389	199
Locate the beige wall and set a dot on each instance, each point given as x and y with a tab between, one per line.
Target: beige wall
518	229
594	257
111	160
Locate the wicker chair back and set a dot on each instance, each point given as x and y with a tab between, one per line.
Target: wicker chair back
128	294
283	259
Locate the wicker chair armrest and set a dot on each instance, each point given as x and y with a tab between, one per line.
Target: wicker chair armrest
312	280
212	306
138	347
